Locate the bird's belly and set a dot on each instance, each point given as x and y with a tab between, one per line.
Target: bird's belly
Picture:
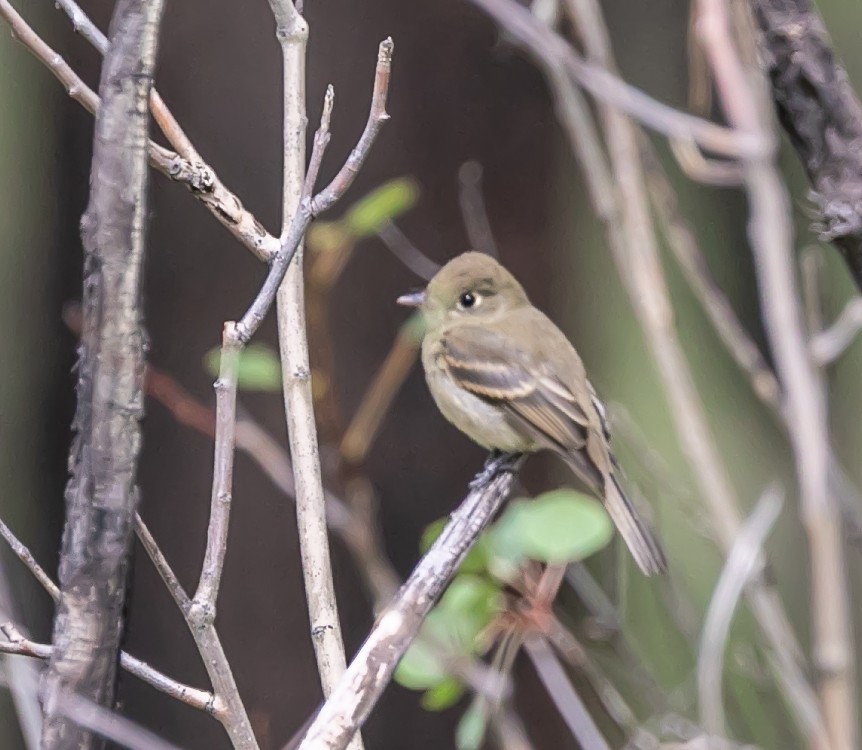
482	422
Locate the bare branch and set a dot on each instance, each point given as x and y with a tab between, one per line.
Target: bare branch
16	643
26	557
741	564
715	304
473	211
564	696
630	237
358	690
324	200
746	103
203	606
101	494
822	115
404	250
611	90
831	343
185	167
297	189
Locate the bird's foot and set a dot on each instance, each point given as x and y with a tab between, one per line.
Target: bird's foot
496	463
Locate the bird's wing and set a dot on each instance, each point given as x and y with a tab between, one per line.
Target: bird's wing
484	362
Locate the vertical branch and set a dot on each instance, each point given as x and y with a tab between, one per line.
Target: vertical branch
292	32
100	497
747	104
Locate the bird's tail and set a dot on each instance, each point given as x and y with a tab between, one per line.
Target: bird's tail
637	535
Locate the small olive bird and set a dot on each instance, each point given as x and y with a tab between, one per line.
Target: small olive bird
506	376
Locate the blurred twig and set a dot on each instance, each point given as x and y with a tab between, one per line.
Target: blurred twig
403	249
830	343
741	564
744	96
473	211
565	697
619	200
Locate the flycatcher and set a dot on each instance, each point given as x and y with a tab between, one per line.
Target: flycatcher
506	376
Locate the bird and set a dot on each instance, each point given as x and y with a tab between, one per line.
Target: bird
504	374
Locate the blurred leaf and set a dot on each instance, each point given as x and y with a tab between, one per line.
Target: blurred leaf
443	695
558	526
259	368
477	558
470	731
414	328
467	607
422	666
384	204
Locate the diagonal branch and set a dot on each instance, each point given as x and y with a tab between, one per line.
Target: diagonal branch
358	691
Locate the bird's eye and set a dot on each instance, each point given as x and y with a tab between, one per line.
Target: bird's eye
468	300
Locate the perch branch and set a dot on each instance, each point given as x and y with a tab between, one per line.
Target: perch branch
358	690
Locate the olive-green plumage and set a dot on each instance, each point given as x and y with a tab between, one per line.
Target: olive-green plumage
505	375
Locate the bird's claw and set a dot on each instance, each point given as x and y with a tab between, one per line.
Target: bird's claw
496	464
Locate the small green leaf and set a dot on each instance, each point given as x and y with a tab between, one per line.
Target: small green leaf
421	667
384	204
443	695
414	328
259	368
470	731
559	526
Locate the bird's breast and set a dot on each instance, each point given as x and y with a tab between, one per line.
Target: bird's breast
483	422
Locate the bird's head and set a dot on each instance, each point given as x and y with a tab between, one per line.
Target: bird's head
470	286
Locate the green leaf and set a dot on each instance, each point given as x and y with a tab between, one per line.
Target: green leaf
470	731
556	527
384	204
443	695
259	368
421	667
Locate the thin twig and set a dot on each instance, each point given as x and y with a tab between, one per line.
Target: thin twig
564	696
473	211
232	713
108	724
715	304
831	343
747	105
16	643
324	200
192	696
26	557
371	669
185	167
741	564
404	250
203	606
611	90
362	430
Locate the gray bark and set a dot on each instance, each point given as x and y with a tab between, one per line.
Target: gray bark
101	494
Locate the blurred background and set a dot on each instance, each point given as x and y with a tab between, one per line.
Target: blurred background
459	92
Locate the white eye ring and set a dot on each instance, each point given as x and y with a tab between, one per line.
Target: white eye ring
469	301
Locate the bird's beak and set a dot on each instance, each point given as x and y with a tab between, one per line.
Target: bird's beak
414	299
